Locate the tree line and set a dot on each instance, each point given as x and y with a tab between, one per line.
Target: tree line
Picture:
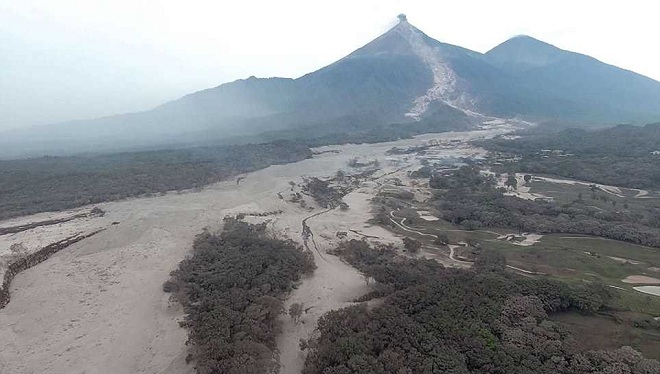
625	156
472	200
58	183
437	320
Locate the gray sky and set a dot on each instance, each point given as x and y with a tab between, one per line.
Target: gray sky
70	59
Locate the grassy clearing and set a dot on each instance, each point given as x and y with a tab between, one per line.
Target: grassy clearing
561	255
564	193
636	301
605	332
585	257
607	247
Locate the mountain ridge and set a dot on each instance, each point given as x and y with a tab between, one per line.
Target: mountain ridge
395	78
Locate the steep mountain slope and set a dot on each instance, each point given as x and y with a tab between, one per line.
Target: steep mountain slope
394	78
376	84
584	88
444	85
400	77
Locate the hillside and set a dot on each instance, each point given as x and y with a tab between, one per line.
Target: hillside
400	77
582	87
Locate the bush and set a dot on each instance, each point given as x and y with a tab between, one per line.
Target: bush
411	245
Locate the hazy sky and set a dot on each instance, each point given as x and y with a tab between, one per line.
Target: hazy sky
67	59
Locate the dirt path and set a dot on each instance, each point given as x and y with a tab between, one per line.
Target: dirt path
451	254
454	261
645	194
308	234
403	226
612	190
411	229
334	285
452	248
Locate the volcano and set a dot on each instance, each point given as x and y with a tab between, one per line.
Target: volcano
402	76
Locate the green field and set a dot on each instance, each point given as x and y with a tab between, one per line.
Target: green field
606	332
570	258
564	193
573	259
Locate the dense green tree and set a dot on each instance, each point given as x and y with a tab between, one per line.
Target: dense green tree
232	289
477	321
411	245
474	202
618	156
511	182
295	311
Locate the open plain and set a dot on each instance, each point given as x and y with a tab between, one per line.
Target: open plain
98	305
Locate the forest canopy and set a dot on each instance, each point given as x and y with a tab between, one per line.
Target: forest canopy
232	291
471	199
624	156
58	183
438	320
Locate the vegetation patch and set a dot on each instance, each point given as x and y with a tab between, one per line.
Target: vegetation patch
232	290
625	156
597	332
482	320
59	183
471	199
